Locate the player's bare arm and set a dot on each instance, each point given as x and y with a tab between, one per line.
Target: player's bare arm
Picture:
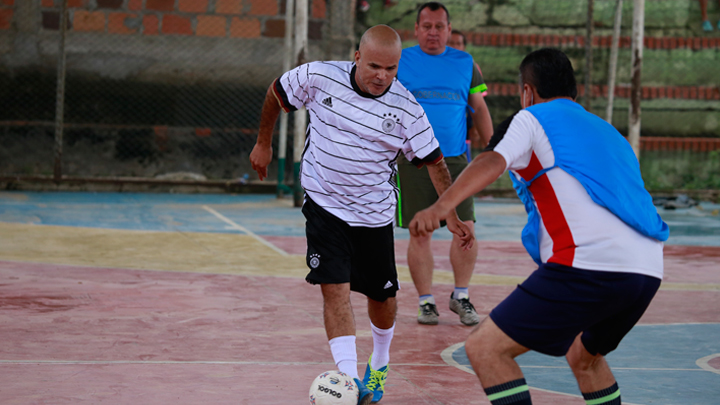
481	118
440	176
261	155
484	170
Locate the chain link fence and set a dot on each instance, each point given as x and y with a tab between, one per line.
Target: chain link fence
171	90
161	89
680	76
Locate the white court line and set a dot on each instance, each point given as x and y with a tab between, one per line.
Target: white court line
704	363
447	357
241	228
232	363
451	363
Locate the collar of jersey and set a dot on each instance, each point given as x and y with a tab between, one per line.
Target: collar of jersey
357	88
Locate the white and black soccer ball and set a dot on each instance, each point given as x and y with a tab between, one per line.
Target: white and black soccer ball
333	388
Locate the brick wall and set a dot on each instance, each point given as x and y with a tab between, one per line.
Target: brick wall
7	10
202	18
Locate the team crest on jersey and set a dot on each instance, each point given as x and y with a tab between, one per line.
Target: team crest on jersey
314	261
389	123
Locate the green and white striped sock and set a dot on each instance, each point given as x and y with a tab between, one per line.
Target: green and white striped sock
608	396
510	393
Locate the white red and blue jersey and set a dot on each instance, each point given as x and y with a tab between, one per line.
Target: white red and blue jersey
580	179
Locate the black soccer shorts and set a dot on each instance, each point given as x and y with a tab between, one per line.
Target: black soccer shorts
340	253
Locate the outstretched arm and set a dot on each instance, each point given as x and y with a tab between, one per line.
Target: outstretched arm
440	176
261	155
485	169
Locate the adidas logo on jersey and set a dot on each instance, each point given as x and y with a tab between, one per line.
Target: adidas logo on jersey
328	102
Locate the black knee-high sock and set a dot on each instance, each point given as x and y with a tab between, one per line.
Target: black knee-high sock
510	393
608	396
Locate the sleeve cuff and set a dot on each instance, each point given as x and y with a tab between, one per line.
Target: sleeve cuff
282	97
434	157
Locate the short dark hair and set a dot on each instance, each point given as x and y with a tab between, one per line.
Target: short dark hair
551	72
458	32
433	6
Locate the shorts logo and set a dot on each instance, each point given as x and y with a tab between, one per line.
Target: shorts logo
389	122
388	285
314	261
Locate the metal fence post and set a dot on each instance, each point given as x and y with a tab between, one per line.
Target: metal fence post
638	37
60	96
287	60
612	70
301	37
589	54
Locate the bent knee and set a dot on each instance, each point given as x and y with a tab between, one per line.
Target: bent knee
487	340
579	359
484	339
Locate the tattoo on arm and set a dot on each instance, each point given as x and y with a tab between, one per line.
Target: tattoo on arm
440	176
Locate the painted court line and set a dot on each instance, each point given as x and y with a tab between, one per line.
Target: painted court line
110	362
447	357
704	363
233	363
284	363
241	228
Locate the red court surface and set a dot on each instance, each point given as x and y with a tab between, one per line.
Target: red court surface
120	315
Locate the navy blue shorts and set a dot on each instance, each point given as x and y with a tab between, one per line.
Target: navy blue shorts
340	253
556	303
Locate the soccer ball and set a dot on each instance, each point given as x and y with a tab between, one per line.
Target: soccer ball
333	388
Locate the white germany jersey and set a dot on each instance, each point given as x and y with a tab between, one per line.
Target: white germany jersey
354	139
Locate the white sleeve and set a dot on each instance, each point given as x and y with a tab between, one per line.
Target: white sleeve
297	86
421	140
516	145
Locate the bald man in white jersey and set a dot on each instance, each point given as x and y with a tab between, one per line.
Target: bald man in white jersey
361	120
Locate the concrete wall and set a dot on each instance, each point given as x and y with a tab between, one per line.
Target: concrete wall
662	17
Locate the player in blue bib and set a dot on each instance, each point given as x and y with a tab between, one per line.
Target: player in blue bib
447	84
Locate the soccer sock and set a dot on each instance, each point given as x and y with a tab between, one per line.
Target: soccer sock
427	299
460	293
345	355
381	346
608	396
510	393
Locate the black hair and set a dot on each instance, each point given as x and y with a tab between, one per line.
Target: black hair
433	6
461	34
551	72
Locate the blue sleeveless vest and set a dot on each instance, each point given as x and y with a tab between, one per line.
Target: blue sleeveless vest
594	153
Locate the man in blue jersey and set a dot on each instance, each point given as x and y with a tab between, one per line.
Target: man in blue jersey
592	229
445	82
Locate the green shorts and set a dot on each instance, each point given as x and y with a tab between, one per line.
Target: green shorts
417	191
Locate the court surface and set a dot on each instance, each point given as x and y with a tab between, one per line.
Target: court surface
124	298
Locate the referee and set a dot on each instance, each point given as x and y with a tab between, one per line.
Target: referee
592	229
361	120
